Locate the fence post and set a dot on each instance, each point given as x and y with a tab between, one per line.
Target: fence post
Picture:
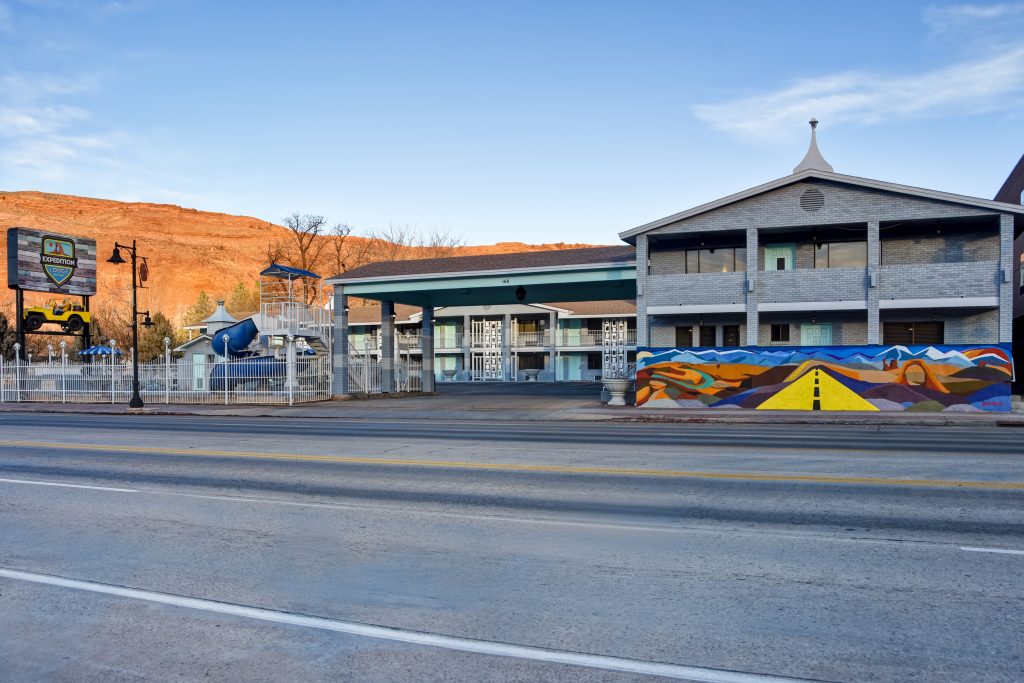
289	360
366	365
113	359
63	372
167	370
17	372
3	378
225	339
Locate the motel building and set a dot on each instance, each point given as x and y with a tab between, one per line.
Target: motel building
813	259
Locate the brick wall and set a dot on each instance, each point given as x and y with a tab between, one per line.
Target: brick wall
940	248
700	288
922	281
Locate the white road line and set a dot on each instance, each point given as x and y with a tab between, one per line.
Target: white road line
68	486
483	647
1000	551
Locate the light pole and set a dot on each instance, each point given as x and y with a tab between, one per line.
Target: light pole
115	258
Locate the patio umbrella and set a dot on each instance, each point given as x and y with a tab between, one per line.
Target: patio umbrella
99	351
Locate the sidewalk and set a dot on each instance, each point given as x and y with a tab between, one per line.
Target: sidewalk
497	407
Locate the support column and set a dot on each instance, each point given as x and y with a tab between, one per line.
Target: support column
427	350
873	275
553	345
643	327
339	350
506	348
387	347
1006	278
753	318
467	348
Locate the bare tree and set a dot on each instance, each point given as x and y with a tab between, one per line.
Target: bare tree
302	248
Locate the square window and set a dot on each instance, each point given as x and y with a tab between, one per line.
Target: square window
780	332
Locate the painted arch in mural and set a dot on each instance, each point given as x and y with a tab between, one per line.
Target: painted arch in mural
890	378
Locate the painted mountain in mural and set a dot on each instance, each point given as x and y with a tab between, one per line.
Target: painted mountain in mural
919	378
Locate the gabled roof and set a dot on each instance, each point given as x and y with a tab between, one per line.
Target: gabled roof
287	272
809	174
191	342
521	261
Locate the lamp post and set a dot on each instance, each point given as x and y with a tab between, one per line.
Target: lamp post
115	258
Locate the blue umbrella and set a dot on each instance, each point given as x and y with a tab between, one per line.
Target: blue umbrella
99	351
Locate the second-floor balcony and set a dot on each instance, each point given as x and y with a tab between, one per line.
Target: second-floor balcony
587	338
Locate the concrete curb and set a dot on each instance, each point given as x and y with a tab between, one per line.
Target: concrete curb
344	410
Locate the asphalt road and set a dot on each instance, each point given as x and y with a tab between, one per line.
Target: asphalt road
159	547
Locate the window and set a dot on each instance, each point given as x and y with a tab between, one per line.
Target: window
779	256
780	332
594	360
730	335
718	260
684	337
707	335
841	255
930	332
1020	271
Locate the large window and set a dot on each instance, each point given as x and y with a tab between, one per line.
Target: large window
930	332
841	255
720	260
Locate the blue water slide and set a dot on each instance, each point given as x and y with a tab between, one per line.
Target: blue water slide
240	335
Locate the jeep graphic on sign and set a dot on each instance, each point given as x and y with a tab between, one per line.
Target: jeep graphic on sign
57	256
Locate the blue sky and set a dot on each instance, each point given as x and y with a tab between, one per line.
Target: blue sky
531	121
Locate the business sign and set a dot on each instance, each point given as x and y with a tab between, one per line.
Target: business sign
46	261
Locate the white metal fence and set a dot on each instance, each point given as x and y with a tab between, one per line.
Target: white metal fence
193	381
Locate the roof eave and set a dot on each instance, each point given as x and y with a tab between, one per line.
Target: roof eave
630	235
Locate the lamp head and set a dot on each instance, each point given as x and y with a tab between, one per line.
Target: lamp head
115	258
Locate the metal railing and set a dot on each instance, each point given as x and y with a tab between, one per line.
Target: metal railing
530	338
264	380
571	338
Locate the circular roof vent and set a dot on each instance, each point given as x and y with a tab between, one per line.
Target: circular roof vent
812	200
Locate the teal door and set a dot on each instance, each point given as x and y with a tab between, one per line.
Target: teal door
816	334
779	256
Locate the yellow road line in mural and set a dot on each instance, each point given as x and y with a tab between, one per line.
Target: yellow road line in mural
515	467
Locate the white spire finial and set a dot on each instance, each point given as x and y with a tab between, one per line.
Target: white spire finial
813	159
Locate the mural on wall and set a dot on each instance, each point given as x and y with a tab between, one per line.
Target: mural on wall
920	378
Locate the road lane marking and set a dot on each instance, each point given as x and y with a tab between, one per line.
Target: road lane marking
1001	551
515	467
483	647
69	486
432	513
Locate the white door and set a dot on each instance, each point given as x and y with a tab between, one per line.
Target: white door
816	334
199	371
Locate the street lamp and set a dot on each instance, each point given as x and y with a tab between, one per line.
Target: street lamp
115	258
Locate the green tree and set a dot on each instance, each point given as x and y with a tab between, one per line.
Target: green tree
199	311
151	339
7	338
244	300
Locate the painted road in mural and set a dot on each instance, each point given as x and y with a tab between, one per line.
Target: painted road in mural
920	378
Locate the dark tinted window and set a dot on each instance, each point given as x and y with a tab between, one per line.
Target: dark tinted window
780	332
684	337
926	332
730	335
707	335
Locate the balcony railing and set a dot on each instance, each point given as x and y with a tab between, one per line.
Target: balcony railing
520	339
572	338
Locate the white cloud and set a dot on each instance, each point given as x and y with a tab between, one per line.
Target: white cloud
993	83
952	17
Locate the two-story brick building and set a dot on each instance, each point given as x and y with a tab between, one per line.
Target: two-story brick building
818	258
